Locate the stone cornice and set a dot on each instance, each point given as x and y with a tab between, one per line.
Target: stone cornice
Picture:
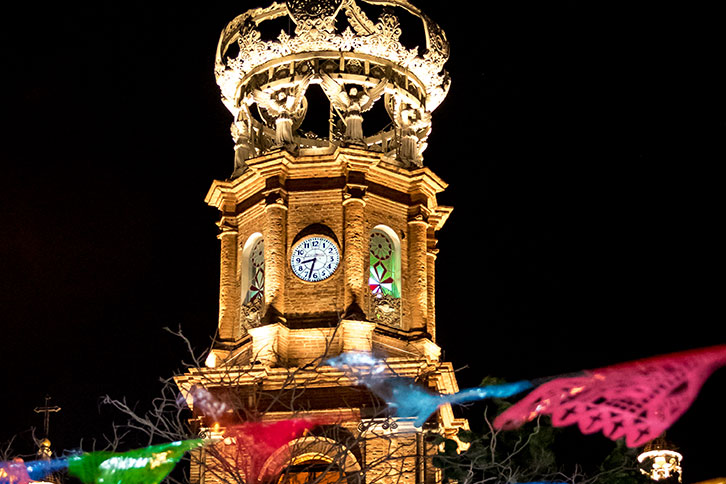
331	171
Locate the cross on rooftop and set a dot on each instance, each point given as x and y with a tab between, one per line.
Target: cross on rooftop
46	410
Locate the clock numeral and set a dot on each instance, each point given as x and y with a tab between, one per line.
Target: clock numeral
314	259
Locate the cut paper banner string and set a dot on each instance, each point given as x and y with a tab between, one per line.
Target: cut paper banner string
20	472
257	441
204	401
149	465
14	472
38	470
637	400
410	399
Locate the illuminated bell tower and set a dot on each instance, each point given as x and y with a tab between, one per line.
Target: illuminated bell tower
328	221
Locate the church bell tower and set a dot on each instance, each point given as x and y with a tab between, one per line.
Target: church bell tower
328	221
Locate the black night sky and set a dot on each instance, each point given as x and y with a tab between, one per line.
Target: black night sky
581	143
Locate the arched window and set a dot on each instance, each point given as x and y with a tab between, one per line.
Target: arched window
253	270
315	459
313	472
385	263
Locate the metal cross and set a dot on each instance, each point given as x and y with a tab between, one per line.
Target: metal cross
47	410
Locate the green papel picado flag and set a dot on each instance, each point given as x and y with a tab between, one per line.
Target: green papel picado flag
149	465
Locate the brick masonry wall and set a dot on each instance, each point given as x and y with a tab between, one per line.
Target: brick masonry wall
391	460
305	345
349	193
322	207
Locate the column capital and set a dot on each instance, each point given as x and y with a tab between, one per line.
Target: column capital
354	193
275	198
418	219
419	214
227	226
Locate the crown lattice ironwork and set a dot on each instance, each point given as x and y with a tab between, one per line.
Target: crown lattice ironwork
357	62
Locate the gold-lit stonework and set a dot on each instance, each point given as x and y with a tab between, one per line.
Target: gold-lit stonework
356	60
278	322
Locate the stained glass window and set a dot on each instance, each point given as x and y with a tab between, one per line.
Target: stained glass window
383	279
256	271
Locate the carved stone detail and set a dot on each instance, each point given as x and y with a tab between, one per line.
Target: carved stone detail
227	226
386	310
362	58
306	9
352	102
251	314
314	33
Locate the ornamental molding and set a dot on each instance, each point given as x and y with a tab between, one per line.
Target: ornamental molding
315	32
357	61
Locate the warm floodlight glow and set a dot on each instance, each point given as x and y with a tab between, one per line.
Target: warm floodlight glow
664	464
211	361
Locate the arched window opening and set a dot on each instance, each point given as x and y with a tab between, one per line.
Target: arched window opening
314	459
313	472
385	277
253	272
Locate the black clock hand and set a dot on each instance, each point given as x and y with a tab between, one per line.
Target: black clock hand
311	266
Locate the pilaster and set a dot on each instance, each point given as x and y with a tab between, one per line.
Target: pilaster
230	329
431	292
416	304
275	236
355	250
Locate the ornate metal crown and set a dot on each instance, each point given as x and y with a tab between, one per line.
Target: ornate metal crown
355	66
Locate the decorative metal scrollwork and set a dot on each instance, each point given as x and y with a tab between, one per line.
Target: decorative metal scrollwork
386	424
361	55
312	9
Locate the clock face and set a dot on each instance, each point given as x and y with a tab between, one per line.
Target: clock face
314	258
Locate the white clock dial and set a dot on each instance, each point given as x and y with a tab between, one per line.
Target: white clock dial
314	258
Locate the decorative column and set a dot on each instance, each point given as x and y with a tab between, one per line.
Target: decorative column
275	235
230	329
355	250
431	296
417	275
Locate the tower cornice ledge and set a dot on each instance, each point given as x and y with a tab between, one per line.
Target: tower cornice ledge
419	186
